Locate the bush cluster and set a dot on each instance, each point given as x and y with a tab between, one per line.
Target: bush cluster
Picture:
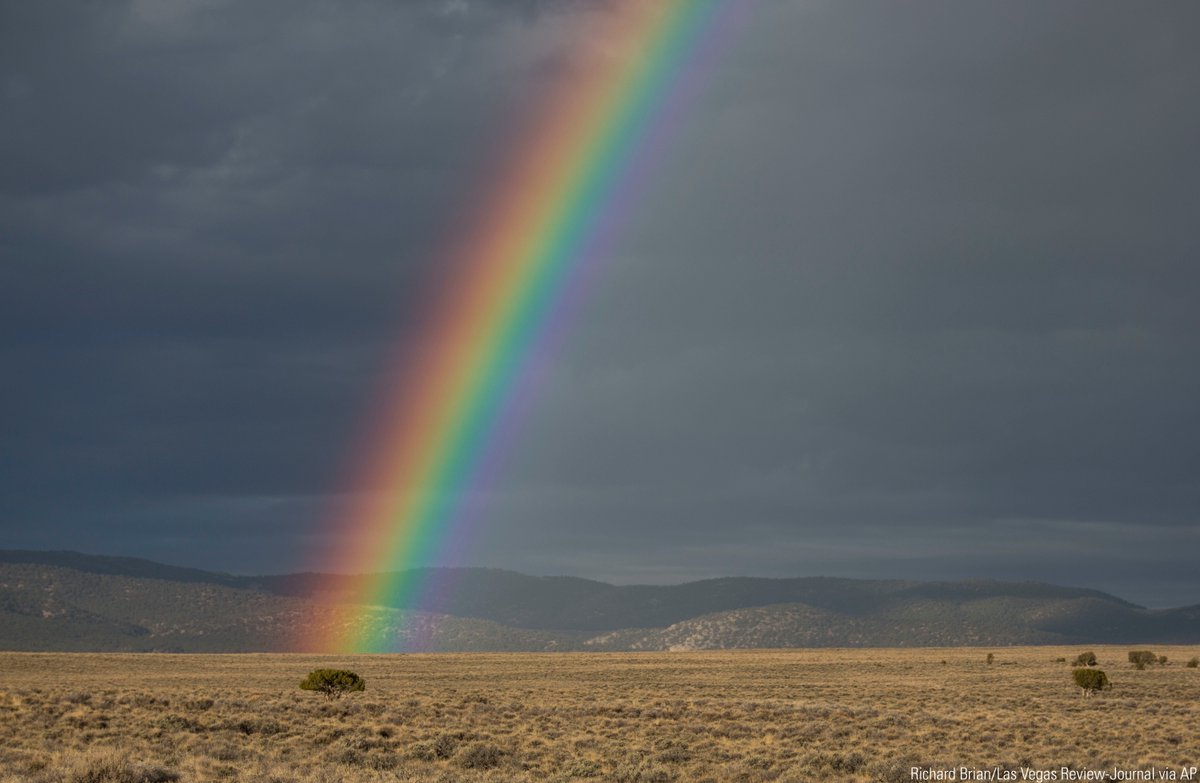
1141	658
1086	659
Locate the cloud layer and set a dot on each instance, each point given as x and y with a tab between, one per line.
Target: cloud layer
911	294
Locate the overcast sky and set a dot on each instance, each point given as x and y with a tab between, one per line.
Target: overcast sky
913	292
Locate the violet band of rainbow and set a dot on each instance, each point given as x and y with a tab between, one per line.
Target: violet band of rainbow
519	273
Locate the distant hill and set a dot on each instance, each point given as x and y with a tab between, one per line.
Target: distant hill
986	622
48	608
117	566
72	601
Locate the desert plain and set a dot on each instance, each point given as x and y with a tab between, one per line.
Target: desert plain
715	716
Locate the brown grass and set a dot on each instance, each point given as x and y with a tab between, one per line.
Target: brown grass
789	716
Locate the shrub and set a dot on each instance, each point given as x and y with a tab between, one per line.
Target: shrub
250	726
894	770
991	657
1140	658
1086	659
1162	660
1193	662
445	745
479	755
423	751
583	768
1091	680
113	768
333	682
173	723
637	771
674	756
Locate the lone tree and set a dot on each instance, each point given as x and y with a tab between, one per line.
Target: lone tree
1091	680
333	682
1086	659
1141	658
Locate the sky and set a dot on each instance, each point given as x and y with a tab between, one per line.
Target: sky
911	293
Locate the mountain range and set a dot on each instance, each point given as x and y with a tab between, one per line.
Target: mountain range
67	601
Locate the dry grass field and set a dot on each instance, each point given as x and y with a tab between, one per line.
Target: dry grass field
788	716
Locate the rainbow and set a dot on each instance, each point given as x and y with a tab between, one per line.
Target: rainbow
562	194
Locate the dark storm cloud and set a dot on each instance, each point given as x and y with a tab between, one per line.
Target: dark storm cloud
911	294
933	314
217	222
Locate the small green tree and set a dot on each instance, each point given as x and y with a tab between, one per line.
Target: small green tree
1091	680
1141	658
333	682
1086	659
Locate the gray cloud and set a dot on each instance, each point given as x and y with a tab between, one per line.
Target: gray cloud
911	293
